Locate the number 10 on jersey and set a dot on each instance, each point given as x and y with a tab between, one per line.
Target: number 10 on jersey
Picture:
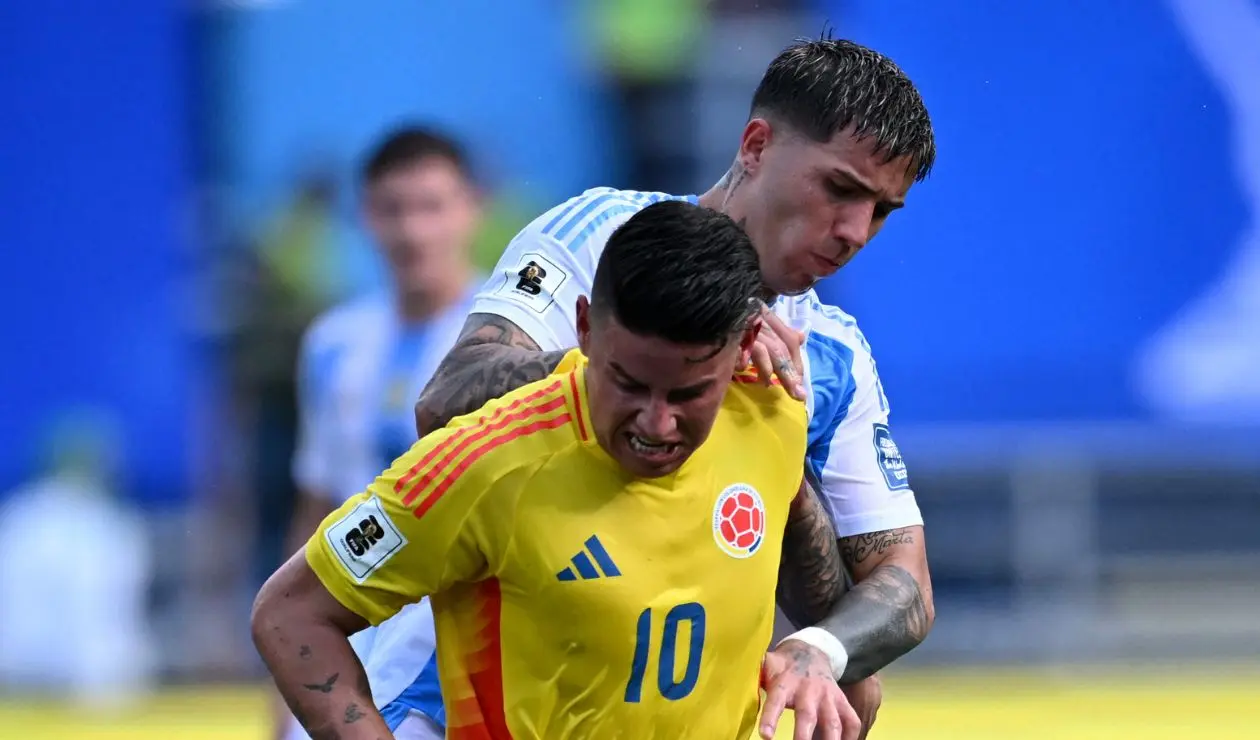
667	652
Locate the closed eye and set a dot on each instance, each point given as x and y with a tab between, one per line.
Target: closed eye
683	395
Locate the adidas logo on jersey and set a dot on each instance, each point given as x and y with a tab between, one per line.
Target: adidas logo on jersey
581	565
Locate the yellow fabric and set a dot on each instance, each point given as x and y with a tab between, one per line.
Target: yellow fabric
570	600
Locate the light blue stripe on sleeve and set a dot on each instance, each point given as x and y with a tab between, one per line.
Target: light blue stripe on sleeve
594	211
601	218
831	383
582	213
423	695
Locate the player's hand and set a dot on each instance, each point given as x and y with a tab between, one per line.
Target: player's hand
777	352
798	676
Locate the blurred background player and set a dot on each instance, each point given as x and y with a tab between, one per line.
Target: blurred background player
363	362
836	136
636	460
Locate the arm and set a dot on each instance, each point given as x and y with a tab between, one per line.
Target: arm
811	574
886	614
491	357
302	634
381	550
890	610
863	489
314	459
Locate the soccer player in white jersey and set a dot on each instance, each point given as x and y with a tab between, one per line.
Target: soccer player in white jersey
836	136
363	364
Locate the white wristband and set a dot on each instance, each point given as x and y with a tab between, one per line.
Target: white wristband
828	643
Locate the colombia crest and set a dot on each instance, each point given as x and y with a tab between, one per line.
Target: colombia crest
739	520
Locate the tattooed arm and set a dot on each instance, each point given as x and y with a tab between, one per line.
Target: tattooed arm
811	574
491	357
886	614
302	634
889	611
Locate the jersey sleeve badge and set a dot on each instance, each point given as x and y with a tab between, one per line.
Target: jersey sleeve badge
889	457
364	539
535	282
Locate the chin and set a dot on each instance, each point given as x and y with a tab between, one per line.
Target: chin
795	287
640	469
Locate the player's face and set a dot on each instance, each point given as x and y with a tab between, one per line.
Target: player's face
653	402
809	207
423	216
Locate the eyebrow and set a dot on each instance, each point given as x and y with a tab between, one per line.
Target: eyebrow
853	179
622	372
631	379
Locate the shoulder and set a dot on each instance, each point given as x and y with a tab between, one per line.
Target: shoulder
807	312
750	401
582	224
517	430
839	362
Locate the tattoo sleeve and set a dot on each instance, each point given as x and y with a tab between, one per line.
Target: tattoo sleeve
811	575
887	613
491	357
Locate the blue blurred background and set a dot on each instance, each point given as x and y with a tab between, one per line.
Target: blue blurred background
1066	318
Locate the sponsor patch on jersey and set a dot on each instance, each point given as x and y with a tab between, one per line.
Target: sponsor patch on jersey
889	458
365	539
739	520
535	282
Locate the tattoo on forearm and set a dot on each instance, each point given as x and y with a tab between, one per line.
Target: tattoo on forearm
305	652
882	618
353	714
493	356
857	549
811	575
324	688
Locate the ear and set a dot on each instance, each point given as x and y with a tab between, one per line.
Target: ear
747	340
752	145
584	324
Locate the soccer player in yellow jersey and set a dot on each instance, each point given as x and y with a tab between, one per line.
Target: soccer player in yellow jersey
600	547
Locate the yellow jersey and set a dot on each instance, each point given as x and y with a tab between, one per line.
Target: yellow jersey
571	600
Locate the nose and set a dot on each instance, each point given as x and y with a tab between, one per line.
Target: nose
852	226
657	420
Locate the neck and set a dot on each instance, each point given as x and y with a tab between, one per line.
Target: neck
420	305
718	198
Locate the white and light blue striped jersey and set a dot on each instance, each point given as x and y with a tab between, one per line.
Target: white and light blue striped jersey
360	372
853	460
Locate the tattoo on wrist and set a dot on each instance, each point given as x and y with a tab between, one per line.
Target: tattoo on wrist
492	357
